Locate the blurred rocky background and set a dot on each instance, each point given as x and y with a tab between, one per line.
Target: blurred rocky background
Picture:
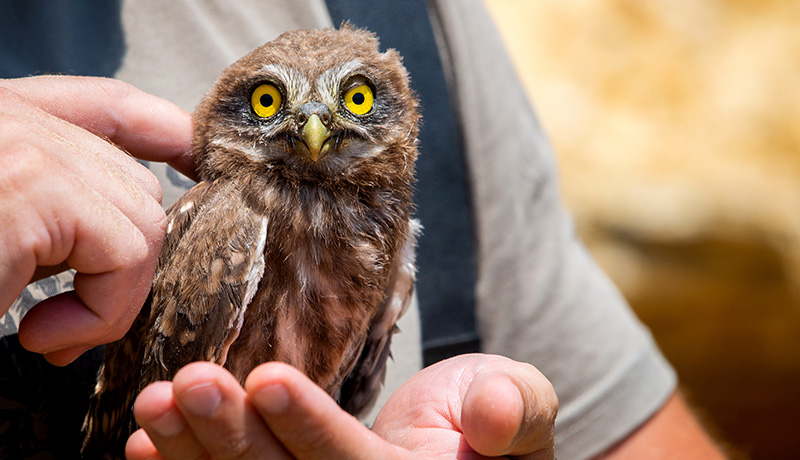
677	129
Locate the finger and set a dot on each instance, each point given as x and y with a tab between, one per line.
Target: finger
487	404
140	447
150	128
215	406
95	238
53	327
80	152
94	218
492	414
166	433
67	355
510	408
308	421
37	147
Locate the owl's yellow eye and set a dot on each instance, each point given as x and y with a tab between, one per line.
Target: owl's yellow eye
359	100
266	100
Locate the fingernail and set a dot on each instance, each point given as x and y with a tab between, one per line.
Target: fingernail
201	400
169	424
273	399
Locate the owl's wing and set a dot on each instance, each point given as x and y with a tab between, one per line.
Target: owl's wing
207	274
204	286
109	420
362	384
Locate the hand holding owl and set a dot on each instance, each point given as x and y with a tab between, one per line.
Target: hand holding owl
71	199
499	407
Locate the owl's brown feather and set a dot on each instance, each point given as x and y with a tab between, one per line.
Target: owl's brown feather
281	253
203	286
364	378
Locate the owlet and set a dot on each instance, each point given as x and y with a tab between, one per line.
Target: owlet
297	244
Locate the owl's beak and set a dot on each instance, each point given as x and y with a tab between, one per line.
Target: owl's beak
314	135
312	120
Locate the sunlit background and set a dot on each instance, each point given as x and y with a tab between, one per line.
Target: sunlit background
677	129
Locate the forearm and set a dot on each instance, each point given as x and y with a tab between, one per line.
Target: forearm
673	432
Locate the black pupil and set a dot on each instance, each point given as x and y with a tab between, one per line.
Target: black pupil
358	98
266	100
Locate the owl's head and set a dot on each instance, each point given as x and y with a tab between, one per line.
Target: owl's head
310	105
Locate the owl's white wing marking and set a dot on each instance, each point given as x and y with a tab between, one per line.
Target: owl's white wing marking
253	278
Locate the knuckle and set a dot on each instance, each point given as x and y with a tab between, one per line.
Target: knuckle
20	164
139	251
8	97
144	253
10	100
161	223
151	185
114	332
122	167
28	202
105	331
317	442
115	327
236	446
118	90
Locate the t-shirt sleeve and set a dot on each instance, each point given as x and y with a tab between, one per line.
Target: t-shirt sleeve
541	298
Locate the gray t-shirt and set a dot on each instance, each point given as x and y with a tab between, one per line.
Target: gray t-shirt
540	298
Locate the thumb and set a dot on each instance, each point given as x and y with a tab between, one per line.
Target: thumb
307	421
509	409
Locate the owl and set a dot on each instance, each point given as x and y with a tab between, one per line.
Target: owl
298	242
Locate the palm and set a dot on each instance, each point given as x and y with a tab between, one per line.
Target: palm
468	404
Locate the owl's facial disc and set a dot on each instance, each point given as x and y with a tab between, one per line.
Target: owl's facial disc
313	119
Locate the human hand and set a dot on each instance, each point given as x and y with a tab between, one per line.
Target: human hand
69	198
468	407
497	406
